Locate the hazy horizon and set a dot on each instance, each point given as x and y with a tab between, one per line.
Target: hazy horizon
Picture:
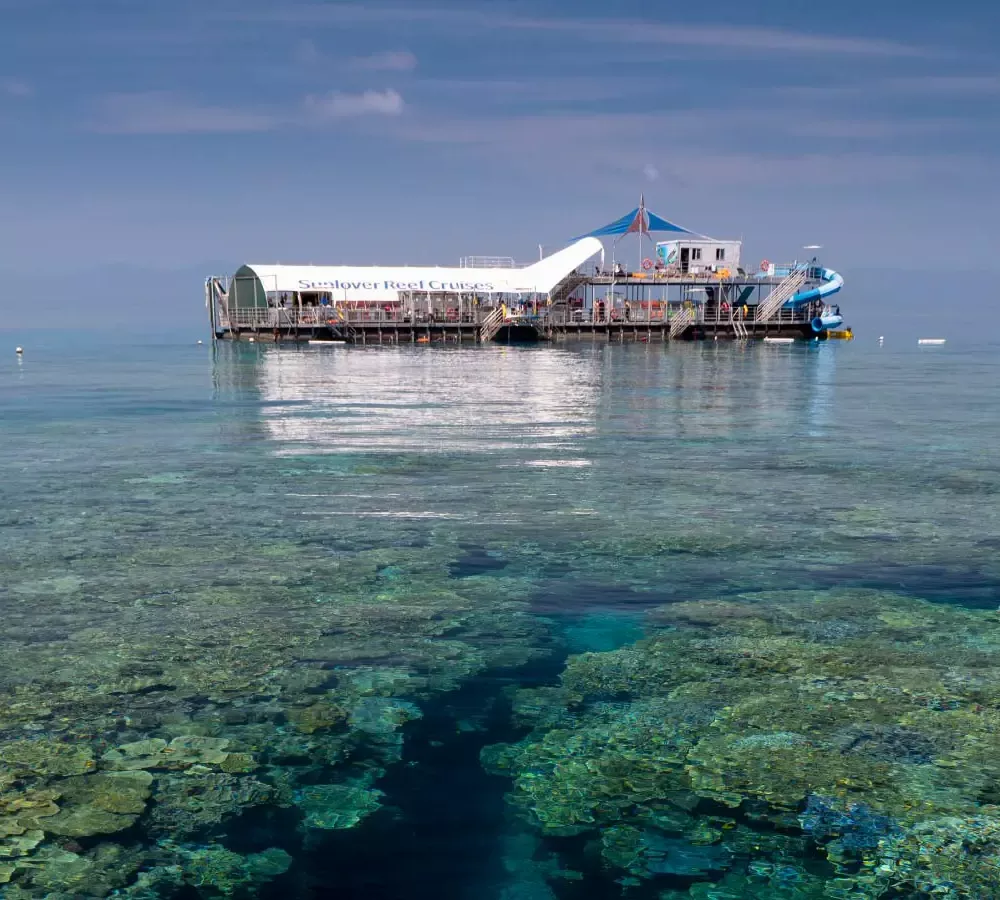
148	147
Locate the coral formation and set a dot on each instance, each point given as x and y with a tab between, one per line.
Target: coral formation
333	806
126	748
875	744
219	636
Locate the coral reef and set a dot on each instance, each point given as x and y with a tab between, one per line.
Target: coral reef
863	722
333	806
129	741
232	601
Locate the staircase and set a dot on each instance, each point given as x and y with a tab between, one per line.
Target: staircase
489	327
681	322
347	333
220	296
781	294
566	287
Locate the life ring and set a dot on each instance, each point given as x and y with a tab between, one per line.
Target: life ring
764	265
647	263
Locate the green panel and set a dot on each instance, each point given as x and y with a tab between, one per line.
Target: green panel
246	290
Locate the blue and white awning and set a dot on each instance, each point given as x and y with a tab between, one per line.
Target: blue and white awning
639	221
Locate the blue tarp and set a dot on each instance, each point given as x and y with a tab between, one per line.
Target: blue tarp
638	221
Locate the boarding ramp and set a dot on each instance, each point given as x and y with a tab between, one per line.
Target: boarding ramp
782	293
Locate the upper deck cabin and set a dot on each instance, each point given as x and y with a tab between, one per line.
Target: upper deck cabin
696	256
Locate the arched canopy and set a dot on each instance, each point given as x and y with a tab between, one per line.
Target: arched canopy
254	284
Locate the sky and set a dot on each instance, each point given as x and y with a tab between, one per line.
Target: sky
147	145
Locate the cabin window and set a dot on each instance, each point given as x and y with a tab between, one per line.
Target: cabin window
720	254
696	253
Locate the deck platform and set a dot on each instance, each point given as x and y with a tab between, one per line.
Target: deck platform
638	307
453	333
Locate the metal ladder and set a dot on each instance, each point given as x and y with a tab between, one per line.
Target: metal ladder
782	294
739	328
679	323
491	325
220	296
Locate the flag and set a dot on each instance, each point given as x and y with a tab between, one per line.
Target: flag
639	225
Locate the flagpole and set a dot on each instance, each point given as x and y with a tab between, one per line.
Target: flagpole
642	225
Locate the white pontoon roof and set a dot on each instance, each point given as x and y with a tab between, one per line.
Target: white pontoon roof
378	283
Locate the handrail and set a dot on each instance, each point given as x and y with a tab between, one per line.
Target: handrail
489	320
781	294
491	325
681	322
488	262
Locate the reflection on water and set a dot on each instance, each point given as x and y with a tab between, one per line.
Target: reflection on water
694	621
426	400
333	399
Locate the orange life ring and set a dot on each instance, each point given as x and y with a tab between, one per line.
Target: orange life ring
647	263
764	265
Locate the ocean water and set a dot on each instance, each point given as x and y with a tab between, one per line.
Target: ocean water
704	620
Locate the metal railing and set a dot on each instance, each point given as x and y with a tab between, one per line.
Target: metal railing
324	316
260	318
488	262
719	316
490	319
681	322
781	294
491	325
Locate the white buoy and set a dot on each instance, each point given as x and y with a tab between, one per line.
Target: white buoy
881	339
19	351
200	342
251	340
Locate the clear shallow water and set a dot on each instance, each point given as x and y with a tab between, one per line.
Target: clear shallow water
579	622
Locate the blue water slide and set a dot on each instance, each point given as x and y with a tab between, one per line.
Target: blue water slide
825	323
831	282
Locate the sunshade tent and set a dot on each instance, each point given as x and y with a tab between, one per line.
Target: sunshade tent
639	221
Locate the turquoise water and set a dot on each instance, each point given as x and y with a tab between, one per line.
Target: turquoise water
700	621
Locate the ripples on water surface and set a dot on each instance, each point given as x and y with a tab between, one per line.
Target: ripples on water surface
587	622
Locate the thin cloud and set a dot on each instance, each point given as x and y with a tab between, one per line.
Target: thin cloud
651	172
161	112
750	39
15	87
389	61
948	84
874	129
534	140
561	90
338	105
892	88
633	32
